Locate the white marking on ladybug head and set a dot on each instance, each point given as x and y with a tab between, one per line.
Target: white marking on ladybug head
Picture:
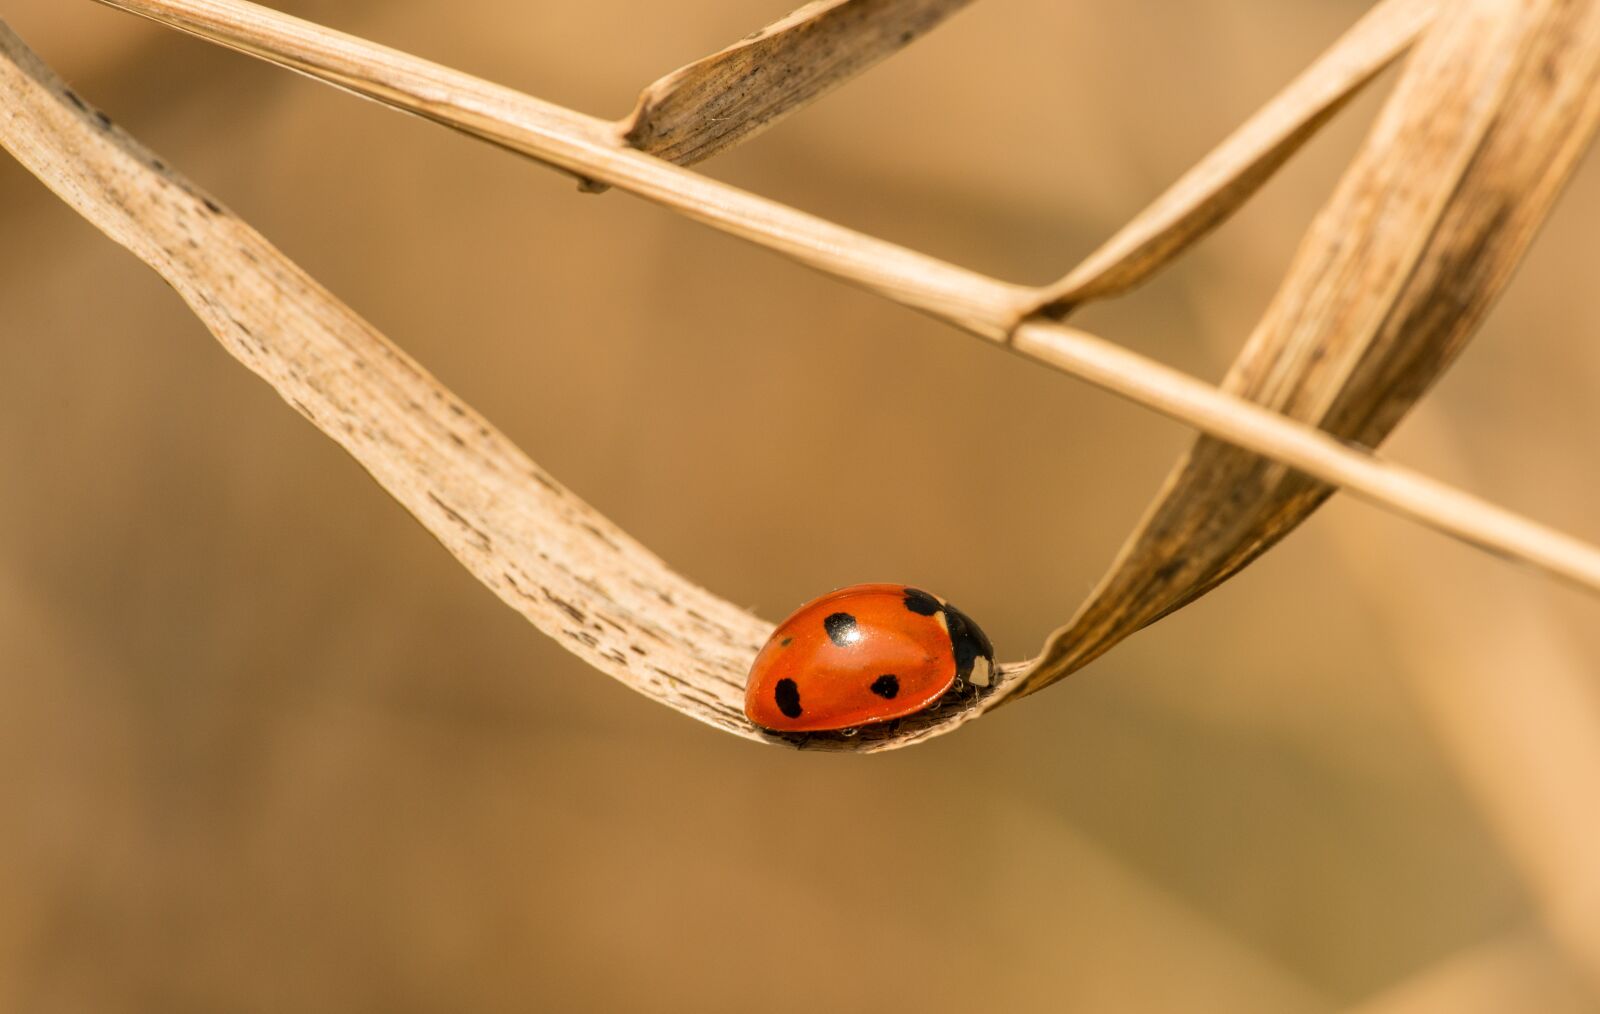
980	672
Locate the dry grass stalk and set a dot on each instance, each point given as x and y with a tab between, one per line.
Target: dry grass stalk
732	95
1494	110
545	553
984	306
588	149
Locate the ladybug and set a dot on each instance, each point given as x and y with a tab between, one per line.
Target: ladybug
864	654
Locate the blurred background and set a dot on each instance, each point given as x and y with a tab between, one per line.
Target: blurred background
264	746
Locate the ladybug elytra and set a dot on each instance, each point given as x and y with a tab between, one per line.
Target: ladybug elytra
864	654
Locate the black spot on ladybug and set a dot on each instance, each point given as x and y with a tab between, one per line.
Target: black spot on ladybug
967	641
887	686
785	642
921	603
788	697
841	628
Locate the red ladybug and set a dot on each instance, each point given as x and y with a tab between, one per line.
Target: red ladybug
863	654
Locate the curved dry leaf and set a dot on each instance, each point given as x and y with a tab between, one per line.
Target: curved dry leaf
732	95
547	554
1493	112
1231	173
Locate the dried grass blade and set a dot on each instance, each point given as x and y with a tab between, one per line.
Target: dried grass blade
1226	178
732	95
1495	108
543	551
554	559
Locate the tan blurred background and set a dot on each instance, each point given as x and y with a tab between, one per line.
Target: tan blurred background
265	747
